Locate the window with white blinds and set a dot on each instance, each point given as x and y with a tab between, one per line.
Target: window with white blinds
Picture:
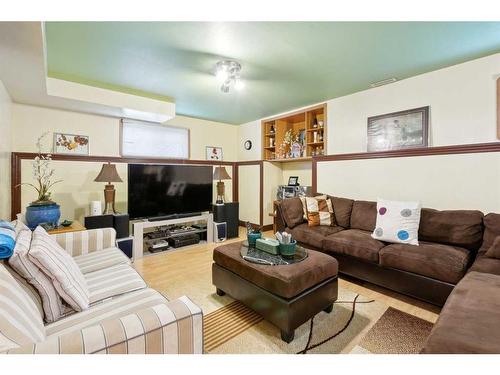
145	139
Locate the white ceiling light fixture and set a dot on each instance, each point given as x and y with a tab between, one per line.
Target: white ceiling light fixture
227	73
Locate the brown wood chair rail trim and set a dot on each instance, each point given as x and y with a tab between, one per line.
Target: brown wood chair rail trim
425	151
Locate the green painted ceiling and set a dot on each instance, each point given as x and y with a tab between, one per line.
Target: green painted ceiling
285	65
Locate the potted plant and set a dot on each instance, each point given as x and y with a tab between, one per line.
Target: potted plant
42	210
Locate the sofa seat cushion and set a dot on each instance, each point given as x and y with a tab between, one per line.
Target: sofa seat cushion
441	262
114	308
313	236
354	242
112	282
101	259
285	281
468	322
486	265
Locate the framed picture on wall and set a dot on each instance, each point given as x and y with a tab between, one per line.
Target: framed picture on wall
72	144
213	153
399	130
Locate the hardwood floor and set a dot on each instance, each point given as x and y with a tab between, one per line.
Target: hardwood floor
172	270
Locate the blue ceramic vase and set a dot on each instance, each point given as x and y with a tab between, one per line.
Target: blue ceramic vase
42	213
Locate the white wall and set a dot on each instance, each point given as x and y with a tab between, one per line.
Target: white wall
250	131
78	187
5	150
462	181
248	191
462	100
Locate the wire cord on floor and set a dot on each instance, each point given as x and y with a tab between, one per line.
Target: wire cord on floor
309	346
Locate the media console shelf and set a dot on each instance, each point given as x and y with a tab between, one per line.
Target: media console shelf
139	227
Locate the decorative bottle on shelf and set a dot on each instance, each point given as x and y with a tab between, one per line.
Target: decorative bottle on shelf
315	137
271	131
315	122
320	137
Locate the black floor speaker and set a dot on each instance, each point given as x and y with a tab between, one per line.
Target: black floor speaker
228	213
118	221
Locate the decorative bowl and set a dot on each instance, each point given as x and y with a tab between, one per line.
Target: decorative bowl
252	237
288	250
66	223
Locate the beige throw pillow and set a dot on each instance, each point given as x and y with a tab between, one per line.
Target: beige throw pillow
68	280
319	211
22	264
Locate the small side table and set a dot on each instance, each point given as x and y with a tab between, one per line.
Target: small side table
76	226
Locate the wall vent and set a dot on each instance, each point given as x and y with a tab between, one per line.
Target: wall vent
383	82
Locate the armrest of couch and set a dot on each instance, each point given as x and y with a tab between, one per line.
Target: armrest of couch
168	328
86	241
280	222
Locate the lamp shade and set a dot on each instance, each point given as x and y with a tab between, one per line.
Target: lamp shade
220	173
108	174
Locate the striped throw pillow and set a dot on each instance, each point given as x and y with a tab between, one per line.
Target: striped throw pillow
68	280
20	320
319	211
22	264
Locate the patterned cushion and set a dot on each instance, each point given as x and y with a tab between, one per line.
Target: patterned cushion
22	264
319	211
101	259
68	280
397	222
304	205
20	320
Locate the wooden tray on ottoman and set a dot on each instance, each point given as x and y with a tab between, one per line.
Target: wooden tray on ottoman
285	295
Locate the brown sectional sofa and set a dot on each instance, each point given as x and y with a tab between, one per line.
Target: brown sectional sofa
449	260
449	241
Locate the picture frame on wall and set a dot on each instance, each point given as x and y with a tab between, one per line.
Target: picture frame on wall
71	144
398	130
213	153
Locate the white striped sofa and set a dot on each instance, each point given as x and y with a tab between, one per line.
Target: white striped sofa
124	317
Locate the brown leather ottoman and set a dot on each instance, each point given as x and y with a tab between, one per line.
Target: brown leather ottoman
286	295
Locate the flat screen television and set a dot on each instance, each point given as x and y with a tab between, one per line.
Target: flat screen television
163	190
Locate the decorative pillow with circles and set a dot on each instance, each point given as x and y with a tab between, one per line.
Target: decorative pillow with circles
397	222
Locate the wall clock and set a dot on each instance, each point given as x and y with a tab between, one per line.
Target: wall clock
248	145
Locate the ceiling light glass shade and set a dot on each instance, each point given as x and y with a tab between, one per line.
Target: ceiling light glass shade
239	85
221	75
227	72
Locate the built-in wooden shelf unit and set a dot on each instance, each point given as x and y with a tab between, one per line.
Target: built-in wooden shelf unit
308	125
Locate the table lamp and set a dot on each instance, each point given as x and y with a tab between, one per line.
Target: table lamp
220	174
108	174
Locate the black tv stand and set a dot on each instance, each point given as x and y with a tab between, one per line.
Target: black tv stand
174	216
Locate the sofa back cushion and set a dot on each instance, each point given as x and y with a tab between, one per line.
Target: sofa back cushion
292	212
491	230
463	228
342	208
20	319
364	215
